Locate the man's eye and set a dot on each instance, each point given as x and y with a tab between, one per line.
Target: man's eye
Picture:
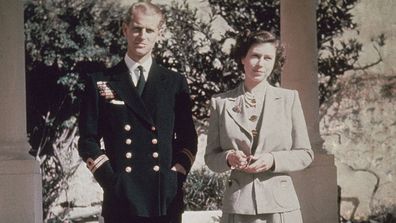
136	29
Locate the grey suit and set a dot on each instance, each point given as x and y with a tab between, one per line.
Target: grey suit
283	133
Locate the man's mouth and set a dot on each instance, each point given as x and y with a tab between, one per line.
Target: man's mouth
140	44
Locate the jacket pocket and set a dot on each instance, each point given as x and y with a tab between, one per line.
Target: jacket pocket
284	193
231	194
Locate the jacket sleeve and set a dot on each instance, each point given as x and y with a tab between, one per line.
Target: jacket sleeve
90	134
301	154
215	156
185	138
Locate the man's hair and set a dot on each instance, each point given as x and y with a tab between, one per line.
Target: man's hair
147	8
248	39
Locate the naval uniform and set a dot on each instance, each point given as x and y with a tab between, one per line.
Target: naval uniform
143	136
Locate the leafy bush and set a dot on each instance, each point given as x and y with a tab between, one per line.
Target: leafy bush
204	190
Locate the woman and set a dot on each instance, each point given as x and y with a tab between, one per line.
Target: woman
259	133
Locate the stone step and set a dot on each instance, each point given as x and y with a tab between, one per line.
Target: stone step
195	217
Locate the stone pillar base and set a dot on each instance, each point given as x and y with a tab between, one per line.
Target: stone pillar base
20	191
317	190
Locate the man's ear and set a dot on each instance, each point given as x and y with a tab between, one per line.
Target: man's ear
124	29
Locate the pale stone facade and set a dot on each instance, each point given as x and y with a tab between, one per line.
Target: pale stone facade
20	179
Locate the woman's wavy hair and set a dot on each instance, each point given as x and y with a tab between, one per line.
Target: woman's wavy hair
247	39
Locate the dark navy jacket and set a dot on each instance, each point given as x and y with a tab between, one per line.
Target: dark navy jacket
143	136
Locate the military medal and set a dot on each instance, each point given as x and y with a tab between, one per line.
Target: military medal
104	90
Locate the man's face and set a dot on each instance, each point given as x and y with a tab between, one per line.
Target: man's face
141	33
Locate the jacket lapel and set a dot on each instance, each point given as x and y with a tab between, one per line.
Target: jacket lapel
121	83
271	108
152	90
236	110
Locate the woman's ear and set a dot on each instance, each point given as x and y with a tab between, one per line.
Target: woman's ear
243	60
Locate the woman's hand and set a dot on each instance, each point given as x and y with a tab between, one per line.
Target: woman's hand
260	164
237	159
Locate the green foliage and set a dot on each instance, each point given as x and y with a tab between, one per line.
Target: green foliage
190	48
244	14
63	40
204	190
66	33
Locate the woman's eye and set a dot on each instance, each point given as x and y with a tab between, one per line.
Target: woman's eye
267	58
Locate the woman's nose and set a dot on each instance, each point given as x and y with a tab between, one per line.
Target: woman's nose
260	62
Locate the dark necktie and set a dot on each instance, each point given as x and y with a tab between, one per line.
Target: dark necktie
141	82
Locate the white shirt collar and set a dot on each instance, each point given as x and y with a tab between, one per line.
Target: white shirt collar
132	65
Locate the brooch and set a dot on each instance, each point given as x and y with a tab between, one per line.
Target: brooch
238	106
237	109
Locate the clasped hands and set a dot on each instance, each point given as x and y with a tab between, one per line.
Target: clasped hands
249	163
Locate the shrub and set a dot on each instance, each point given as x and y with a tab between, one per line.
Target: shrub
204	190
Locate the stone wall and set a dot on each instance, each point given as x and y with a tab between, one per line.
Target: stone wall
359	128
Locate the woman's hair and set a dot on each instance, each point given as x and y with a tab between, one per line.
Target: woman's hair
247	39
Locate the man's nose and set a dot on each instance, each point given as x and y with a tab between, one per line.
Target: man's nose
143	33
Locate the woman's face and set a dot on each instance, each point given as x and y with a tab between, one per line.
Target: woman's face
259	62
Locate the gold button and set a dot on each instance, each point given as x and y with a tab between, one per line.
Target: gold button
153	128
127	127
128	141
155	154
128	155
128	169
156	168
154	141
253	118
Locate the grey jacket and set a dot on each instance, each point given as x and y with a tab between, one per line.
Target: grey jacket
283	133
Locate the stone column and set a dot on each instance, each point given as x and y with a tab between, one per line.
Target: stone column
20	178
317	185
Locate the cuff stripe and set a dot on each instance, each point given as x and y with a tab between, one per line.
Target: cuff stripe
189	155
93	165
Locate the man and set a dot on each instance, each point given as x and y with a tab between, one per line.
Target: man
142	112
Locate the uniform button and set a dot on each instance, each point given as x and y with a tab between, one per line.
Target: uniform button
128	155
128	141
127	127
128	169
154	141
153	128
155	154
156	168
